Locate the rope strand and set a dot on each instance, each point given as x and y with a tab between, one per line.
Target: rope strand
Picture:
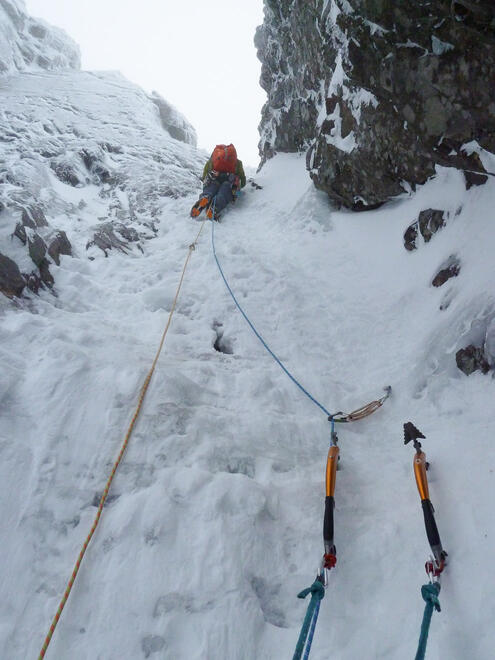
430	596
277	360
142	394
317	591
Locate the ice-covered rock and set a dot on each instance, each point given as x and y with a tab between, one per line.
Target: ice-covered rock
380	93
30	44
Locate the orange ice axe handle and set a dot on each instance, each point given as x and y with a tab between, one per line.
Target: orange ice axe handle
419	466
331	475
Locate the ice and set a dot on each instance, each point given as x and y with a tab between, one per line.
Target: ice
173	121
30	44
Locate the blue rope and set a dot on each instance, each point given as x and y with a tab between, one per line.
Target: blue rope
317	591
312	631
281	365
430	596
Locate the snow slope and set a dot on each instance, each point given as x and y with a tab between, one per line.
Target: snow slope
215	517
31	44
86	149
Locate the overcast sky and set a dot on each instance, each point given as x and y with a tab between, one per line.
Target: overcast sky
198	54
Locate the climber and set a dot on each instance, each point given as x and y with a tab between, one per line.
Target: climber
223	177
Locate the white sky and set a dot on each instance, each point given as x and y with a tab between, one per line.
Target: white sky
198	54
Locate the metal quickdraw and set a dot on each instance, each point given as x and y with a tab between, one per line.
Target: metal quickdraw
364	411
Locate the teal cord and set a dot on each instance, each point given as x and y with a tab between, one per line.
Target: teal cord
317	591
430	596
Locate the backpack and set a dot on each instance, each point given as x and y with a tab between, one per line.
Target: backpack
224	158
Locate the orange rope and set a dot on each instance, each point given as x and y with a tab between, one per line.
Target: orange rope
142	394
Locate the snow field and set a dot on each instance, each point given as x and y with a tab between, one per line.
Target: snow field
214	521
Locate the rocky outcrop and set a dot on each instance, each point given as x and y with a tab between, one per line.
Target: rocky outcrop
378	91
471	359
59	244
114	235
477	352
34	217
450	268
11	281
43	244
427	224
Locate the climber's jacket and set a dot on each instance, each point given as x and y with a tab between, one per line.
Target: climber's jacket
239	171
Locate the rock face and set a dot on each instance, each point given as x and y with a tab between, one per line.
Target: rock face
29	43
378	91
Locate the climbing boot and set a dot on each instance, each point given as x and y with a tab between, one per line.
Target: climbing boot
199	206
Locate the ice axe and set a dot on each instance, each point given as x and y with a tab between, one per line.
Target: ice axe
411	433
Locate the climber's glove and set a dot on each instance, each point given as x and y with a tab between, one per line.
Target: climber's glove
211	177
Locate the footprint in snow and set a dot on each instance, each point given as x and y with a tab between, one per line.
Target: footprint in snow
268	597
175	601
152	644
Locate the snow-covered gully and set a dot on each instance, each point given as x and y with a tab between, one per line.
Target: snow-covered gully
214	521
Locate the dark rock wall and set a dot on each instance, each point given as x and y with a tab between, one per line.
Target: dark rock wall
378	91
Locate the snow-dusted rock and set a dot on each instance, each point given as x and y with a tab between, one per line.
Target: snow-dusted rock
380	93
81	148
471	359
11	281
450	268
30	44
428	223
59	244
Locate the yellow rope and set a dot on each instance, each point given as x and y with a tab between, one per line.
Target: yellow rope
142	394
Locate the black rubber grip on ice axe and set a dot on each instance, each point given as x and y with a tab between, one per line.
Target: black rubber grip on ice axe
328	522
432	530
